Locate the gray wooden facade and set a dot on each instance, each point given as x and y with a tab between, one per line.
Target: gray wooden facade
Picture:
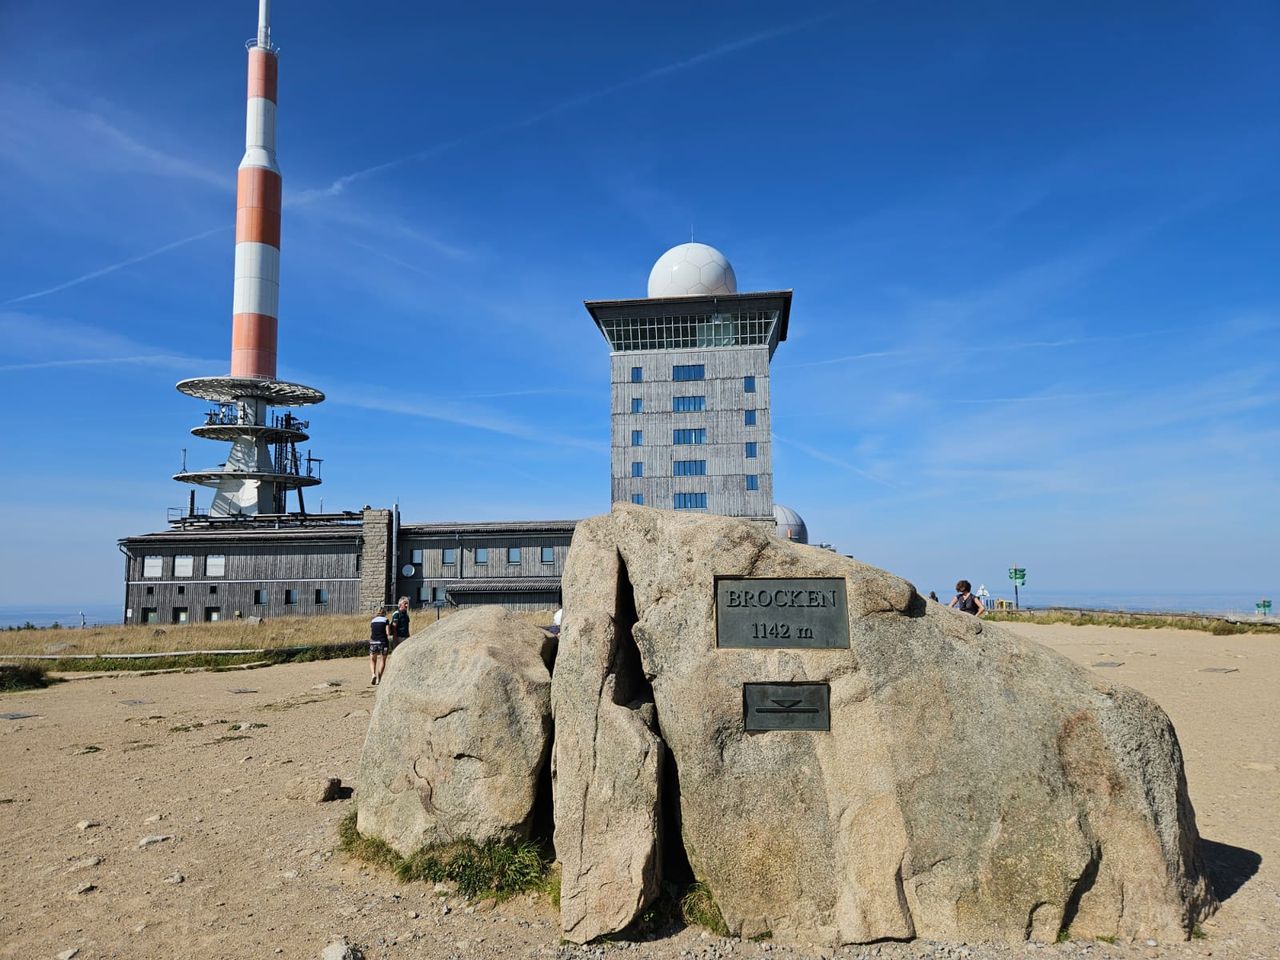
243	568
732	339
469	563
265	572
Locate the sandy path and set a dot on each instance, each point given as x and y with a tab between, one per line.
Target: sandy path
261	878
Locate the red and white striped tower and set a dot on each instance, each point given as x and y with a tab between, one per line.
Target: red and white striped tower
263	464
257	290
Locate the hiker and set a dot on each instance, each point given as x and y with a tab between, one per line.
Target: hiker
400	623
380	633
965	601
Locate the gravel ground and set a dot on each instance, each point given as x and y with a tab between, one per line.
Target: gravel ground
213	769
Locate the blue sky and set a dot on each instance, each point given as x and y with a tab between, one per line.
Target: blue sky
1033	248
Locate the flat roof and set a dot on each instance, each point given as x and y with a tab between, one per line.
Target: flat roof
487	528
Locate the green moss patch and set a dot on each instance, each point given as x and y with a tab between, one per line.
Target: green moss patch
493	869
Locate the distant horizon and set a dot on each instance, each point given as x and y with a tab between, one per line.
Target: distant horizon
1214	602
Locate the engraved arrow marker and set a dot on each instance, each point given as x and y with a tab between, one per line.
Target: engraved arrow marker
786	706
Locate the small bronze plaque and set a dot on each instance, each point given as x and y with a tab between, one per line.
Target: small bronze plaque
786	706
776	612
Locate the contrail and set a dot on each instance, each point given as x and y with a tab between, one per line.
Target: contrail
835	461
162	359
341	183
116	266
572	103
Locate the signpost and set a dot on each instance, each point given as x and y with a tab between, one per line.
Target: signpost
1019	577
1263	607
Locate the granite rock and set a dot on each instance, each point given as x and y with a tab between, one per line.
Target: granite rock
459	735
973	785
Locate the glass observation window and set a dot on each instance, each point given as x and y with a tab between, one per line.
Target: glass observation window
735	328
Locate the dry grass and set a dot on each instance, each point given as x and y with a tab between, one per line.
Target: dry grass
224	635
1141	621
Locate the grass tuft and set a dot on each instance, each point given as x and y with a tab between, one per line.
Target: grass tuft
493	869
21	676
369	849
1197	933
698	907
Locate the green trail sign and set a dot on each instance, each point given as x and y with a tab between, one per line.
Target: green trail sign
1019	577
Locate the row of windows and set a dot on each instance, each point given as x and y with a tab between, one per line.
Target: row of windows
683	372
719	329
449	555
691	501
180	615
260	594
695	436
679	468
688	404
691	404
291	595
696	501
689	468
215	565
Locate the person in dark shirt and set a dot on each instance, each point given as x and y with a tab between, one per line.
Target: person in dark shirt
965	601
400	623
380	633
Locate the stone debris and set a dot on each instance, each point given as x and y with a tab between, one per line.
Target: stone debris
174	878
86	888
86	824
1220	670
85	863
154	839
1108	663
154	818
341	950
68	954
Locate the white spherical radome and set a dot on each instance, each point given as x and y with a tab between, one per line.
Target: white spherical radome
692	269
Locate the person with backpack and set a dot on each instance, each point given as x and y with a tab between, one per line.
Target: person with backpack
965	601
400	624
380	633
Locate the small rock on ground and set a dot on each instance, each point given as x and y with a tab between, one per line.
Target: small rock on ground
341	950
157	838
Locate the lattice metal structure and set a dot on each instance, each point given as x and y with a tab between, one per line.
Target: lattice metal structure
264	463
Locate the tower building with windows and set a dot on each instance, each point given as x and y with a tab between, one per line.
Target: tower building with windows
689	375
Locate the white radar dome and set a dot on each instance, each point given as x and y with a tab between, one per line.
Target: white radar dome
692	269
791	525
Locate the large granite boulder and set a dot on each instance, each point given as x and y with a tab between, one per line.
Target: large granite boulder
972	785
460	733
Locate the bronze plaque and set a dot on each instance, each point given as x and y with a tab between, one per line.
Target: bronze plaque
777	612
